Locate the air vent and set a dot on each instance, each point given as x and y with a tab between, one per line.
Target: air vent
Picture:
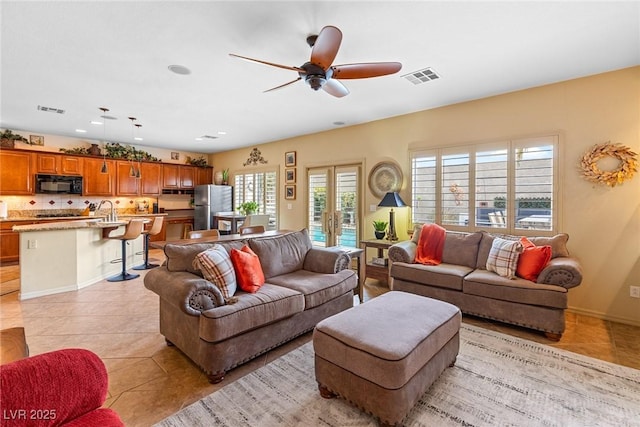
50	109
422	76
209	137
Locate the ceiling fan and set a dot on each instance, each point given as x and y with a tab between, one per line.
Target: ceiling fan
318	73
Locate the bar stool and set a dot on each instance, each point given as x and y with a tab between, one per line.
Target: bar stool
156	228
187	227
131	232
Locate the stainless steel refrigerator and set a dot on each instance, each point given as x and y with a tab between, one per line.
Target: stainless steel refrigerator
209	200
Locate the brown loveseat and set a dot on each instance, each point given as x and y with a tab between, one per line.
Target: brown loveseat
304	285
462	279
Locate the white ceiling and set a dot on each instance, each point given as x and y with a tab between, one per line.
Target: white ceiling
81	55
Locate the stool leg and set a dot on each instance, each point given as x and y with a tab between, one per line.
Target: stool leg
146	265
124	275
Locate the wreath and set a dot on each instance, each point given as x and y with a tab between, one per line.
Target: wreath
624	171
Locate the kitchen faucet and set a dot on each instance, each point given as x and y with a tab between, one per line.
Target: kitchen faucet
112	217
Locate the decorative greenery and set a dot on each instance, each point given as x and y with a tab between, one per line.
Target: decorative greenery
200	161
225	175
625	170
380	225
8	134
248	208
76	150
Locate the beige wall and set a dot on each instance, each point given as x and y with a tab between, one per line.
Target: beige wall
603	223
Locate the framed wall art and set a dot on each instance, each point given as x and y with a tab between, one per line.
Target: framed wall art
290	158
36	140
290	192
290	176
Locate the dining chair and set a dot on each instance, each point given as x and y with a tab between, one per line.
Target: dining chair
252	229
256	219
197	234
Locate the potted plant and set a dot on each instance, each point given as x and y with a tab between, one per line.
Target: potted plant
248	208
8	139
225	178
380	228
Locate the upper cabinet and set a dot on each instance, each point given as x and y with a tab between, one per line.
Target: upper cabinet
126	181
151	181
58	164
204	176
97	183
147	184
16	173
178	176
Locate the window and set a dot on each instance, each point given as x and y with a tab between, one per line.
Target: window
508	185
260	187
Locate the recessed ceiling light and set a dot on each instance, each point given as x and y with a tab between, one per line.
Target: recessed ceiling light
81	131
198	139
137	138
222	132
95	122
179	69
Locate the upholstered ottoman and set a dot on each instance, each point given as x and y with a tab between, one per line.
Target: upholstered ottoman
384	354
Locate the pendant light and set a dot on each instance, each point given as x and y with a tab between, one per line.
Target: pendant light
104	168
139	172
132	169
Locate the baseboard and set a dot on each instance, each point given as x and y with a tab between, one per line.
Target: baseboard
604	316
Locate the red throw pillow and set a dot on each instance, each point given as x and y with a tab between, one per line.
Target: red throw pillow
532	260
248	269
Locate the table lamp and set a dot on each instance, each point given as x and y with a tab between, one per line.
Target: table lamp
392	200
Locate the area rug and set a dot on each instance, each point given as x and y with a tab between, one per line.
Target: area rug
498	380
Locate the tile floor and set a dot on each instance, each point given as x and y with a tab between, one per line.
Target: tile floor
150	381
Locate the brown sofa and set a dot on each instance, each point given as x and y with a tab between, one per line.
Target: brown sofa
463	280
304	285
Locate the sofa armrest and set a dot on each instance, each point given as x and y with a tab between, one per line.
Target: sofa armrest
562	271
191	293
403	252
326	260
55	388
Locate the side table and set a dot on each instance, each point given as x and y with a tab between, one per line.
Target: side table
368	269
357	254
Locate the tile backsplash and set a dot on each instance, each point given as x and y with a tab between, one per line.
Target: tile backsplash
21	206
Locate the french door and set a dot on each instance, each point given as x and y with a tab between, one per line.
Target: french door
333	205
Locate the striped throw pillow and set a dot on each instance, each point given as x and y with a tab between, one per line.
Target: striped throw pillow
216	266
503	257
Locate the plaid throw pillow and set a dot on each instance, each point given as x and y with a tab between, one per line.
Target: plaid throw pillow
216	266
503	257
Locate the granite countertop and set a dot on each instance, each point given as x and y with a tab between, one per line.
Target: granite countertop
76	217
88	222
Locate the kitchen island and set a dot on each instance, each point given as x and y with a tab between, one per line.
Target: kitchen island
70	255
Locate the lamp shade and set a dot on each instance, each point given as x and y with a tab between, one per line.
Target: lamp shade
392	200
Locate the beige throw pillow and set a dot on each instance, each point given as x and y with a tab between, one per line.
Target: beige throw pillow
503	257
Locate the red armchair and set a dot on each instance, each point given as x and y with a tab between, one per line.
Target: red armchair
60	388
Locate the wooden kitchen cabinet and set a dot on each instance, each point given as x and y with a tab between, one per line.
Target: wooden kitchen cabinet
151	181
204	176
10	241
16	173
58	164
97	183
177	176
126	185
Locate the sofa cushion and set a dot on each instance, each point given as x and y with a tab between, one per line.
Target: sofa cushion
282	254
487	284
317	288
532	260
461	248
180	257
248	269
558	245
503	257
269	304
443	275
216	266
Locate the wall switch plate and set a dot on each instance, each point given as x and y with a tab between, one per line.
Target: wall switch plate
289	206
32	244
634	291
373	208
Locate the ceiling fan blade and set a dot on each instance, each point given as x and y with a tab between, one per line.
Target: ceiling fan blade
326	47
335	88
281	86
365	70
286	67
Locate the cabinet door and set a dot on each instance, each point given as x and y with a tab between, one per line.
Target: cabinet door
126	185
10	248
187	176
97	183
71	165
204	176
47	163
16	173
151	182
170	176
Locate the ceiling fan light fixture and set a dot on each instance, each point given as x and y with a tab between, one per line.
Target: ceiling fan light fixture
315	81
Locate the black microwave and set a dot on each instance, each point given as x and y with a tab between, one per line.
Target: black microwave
58	184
